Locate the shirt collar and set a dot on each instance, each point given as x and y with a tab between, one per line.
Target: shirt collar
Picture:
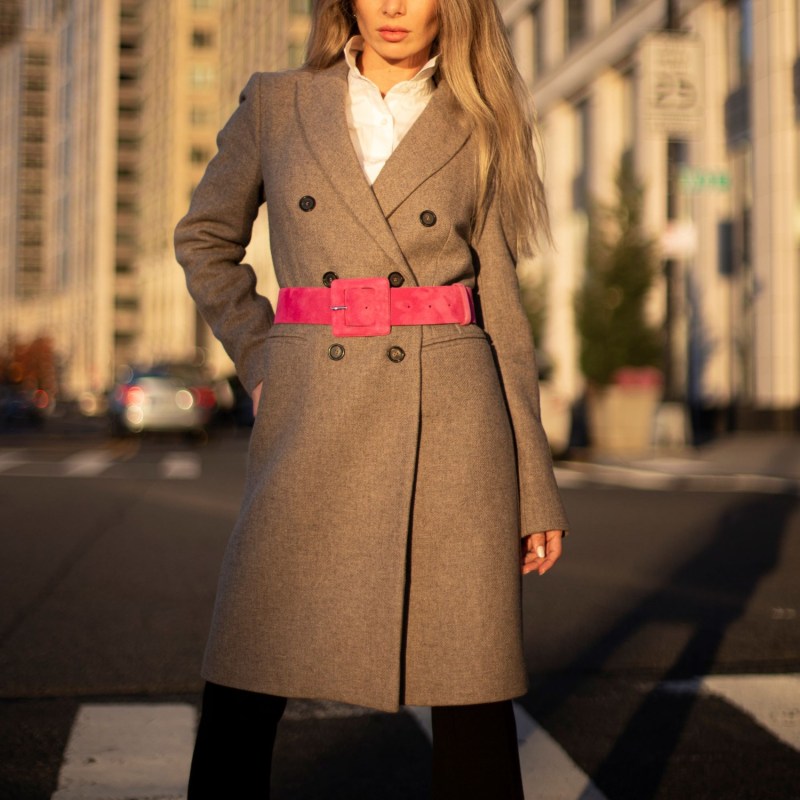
356	44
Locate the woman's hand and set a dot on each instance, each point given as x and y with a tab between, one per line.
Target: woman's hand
539	551
256	397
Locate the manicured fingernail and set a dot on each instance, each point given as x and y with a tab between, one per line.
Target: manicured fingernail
540	551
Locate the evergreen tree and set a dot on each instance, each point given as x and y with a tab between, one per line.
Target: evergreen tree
621	266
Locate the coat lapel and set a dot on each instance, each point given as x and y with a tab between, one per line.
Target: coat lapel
432	141
321	110
438	134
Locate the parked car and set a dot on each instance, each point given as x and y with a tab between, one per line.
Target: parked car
20	406
165	397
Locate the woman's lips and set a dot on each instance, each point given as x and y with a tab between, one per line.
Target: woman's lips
393	34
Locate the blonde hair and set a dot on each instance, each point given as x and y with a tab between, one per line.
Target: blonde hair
477	63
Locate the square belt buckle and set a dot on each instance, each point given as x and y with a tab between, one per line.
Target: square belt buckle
360	307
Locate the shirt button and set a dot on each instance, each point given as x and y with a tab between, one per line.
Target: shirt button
396	279
328	278
336	352
396	354
307	202
428	219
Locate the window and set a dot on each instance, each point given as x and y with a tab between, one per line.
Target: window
201	116
203	76
538	40
583	133
297	54
576	23
740	42
202	5
199	155
202	39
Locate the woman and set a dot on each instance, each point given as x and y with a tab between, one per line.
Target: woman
397	460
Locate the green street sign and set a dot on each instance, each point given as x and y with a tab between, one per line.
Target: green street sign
704	180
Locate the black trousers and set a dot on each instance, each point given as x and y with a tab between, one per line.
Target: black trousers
475	755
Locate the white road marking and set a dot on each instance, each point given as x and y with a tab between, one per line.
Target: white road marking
422	715
10	459
122	752
94	463
87	463
650	476
773	701
180	466
548	773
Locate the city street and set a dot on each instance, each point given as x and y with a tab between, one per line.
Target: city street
664	650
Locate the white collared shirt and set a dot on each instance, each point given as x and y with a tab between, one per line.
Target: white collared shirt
377	124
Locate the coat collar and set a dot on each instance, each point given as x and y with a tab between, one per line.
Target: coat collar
432	141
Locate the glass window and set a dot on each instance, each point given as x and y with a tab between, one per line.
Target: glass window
583	133
622	5
201	116
199	155
740	42
538	40
202	39
576	22
203	76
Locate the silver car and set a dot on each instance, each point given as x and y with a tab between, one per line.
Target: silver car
166	397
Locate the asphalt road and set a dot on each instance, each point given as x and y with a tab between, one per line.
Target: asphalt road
109	553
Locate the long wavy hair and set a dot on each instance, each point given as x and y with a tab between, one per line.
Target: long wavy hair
477	63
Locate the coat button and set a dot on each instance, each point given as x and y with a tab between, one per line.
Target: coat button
307	202
428	219
328	278
336	352
396	279
396	354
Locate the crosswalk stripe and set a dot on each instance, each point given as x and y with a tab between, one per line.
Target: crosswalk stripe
548	773
121	752
180	466
86	463
771	700
138	751
655	478
10	459
106	462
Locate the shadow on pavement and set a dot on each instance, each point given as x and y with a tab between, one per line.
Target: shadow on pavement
704	596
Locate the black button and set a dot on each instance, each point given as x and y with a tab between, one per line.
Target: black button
307	202
396	354
328	278
428	219
396	279
336	352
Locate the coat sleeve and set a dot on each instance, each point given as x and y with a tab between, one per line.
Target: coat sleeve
507	327
210	241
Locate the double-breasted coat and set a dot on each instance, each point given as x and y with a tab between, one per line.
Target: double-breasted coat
376	556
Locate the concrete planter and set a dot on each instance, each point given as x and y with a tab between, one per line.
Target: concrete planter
622	416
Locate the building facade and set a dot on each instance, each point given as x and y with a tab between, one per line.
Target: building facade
200	54
69	152
111	109
703	96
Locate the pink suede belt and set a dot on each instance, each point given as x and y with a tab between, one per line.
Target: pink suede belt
370	306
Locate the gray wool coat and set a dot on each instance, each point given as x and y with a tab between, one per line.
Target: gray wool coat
376	556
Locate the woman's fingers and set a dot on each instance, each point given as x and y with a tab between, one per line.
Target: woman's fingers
540	551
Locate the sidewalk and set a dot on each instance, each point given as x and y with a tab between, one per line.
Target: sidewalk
768	462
